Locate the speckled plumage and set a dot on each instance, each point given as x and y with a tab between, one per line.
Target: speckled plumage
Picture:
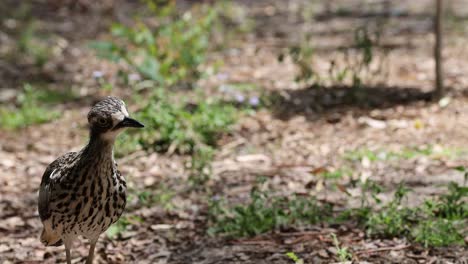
83	193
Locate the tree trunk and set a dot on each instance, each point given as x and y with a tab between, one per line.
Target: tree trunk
439	84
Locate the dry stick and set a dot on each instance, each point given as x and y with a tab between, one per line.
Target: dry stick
401	247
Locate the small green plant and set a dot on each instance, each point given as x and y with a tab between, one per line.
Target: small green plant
149	197
200	165
392	220
438	232
364	42
255	218
33	45
28	111
122	225
441	220
342	253
169	53
465	173
302	56
453	205
438	222
370	189
264	214
292	256
182	127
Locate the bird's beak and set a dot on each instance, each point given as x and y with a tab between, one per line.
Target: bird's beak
129	122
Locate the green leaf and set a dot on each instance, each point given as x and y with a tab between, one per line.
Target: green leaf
150	69
114	230
106	50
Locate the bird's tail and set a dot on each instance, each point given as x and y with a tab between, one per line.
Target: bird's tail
49	237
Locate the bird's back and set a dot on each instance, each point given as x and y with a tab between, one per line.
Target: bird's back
54	174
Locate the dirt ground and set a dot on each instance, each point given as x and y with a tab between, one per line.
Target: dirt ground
308	128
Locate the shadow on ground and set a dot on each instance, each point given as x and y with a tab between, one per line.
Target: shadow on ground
319	102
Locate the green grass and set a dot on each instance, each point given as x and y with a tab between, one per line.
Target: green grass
30	109
437	222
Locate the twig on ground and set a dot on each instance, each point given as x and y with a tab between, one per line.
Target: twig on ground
374	250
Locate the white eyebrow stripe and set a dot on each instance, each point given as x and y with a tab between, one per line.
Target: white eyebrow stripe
124	110
118	116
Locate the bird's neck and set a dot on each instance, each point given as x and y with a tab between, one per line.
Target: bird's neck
100	148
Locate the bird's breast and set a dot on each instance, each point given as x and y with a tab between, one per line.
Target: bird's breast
100	202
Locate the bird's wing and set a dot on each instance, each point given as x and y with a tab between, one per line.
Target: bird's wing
53	174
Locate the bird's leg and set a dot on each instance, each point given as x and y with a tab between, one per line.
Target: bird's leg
68	244
92	245
67	249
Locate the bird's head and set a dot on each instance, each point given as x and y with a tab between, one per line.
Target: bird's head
109	117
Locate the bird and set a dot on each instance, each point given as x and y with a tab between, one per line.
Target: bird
83	193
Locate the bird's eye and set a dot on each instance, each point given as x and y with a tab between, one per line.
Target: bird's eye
102	121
